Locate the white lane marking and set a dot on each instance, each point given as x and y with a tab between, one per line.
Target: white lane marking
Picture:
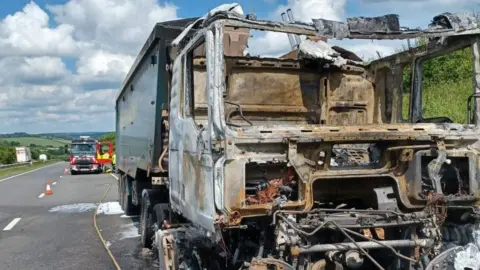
41	195
114	176
54	183
13	176
12	224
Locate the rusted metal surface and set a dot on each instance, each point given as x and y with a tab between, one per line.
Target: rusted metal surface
388	27
377	233
167	252
263	263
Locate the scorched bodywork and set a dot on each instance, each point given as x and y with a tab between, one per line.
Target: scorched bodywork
305	161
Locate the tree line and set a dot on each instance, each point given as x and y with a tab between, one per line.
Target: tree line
109	137
7	152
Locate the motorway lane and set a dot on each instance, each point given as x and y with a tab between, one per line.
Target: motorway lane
45	239
121	233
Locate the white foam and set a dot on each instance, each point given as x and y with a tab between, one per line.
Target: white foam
110	208
74	208
128	231
469	256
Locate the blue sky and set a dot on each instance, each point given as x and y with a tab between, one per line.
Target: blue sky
62	61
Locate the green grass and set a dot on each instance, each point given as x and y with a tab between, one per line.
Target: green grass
446	85
17	170
39	141
444	99
448	99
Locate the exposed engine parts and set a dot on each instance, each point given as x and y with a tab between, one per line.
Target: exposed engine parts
267	183
362	228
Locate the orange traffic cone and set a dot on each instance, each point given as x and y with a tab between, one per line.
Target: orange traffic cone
49	189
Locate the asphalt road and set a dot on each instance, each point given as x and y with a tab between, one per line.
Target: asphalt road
39	231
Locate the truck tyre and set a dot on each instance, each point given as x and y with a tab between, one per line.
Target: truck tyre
127	204
160	213
146	220
119	190
72	172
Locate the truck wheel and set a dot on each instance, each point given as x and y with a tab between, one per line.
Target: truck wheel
127	204
119	191
72	172
160	213
146	221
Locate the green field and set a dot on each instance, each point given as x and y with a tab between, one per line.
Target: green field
38	141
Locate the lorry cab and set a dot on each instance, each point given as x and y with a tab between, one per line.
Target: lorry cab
303	159
234	117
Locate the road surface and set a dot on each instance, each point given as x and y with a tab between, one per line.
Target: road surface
39	231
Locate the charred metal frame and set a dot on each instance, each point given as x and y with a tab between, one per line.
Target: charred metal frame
207	164
220	141
449	45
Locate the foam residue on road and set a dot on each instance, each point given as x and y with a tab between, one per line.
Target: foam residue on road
74	208
468	257
110	208
128	231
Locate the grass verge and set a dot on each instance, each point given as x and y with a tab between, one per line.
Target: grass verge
17	170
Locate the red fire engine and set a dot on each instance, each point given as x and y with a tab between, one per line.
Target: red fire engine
89	155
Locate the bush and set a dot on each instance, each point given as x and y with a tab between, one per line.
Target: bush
7	154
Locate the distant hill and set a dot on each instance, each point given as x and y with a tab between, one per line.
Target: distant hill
37	141
55	136
71	135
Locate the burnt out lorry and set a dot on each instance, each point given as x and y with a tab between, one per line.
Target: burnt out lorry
306	160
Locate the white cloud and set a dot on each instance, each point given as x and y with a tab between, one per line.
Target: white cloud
56	108
40	70
267	44
104	64
117	25
44	67
100	38
33	95
27	33
94	102
306	10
